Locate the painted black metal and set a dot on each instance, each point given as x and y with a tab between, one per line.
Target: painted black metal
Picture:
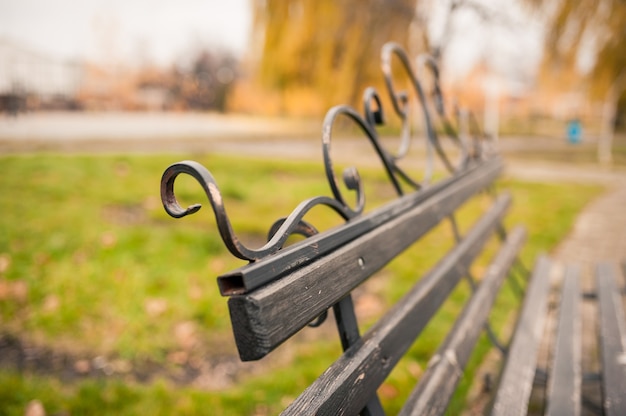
541	377
344	313
209	185
345	316
285	288
367	124
257	274
452	132
347	385
591	406
349	335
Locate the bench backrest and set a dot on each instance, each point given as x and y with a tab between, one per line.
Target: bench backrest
284	289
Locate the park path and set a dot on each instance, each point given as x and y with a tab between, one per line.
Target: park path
600	230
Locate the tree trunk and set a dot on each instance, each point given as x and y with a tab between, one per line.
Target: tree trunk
607	128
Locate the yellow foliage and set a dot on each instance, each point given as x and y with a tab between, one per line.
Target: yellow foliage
320	53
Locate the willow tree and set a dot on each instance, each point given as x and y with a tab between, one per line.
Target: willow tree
331	47
597	29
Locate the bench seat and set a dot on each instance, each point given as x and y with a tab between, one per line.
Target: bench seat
285	288
565	377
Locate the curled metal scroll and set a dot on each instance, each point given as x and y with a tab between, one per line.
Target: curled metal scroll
372	117
428	62
306	230
293	223
351	177
400	102
483	144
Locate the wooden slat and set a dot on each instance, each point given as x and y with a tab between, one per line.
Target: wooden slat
265	318
612	349
439	382
349	334
464	185
565	376
517	378
347	385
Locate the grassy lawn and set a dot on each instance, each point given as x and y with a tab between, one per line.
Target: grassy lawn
92	268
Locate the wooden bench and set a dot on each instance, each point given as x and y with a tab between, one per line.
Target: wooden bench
564	378
287	288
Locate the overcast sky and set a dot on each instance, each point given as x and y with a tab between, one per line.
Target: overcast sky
167	31
140	30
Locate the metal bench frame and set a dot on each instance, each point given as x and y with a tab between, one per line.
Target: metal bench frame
284	289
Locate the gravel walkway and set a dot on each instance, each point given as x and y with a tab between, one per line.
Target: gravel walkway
600	230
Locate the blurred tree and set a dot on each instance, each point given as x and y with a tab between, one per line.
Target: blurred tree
595	31
327	45
206	82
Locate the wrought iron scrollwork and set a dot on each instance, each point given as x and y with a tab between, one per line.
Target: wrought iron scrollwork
401	103
290	225
427	62
373	116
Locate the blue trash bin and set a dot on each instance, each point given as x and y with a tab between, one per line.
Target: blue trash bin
574	131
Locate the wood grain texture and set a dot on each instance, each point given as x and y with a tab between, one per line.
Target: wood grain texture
265	318
564	390
347	385
445	368
517	378
254	275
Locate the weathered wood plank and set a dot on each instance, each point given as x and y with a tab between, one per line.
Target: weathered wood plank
564	390
257	274
517	378
347	385
439	382
612	349
349	334
265	318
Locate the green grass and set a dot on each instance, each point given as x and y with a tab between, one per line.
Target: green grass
555	148
92	265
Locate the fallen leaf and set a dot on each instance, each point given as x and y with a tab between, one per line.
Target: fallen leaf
19	289
185	334
51	303
108	239
5	262
82	366
155	307
34	408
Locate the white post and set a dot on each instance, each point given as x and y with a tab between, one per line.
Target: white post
607	129
492	115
